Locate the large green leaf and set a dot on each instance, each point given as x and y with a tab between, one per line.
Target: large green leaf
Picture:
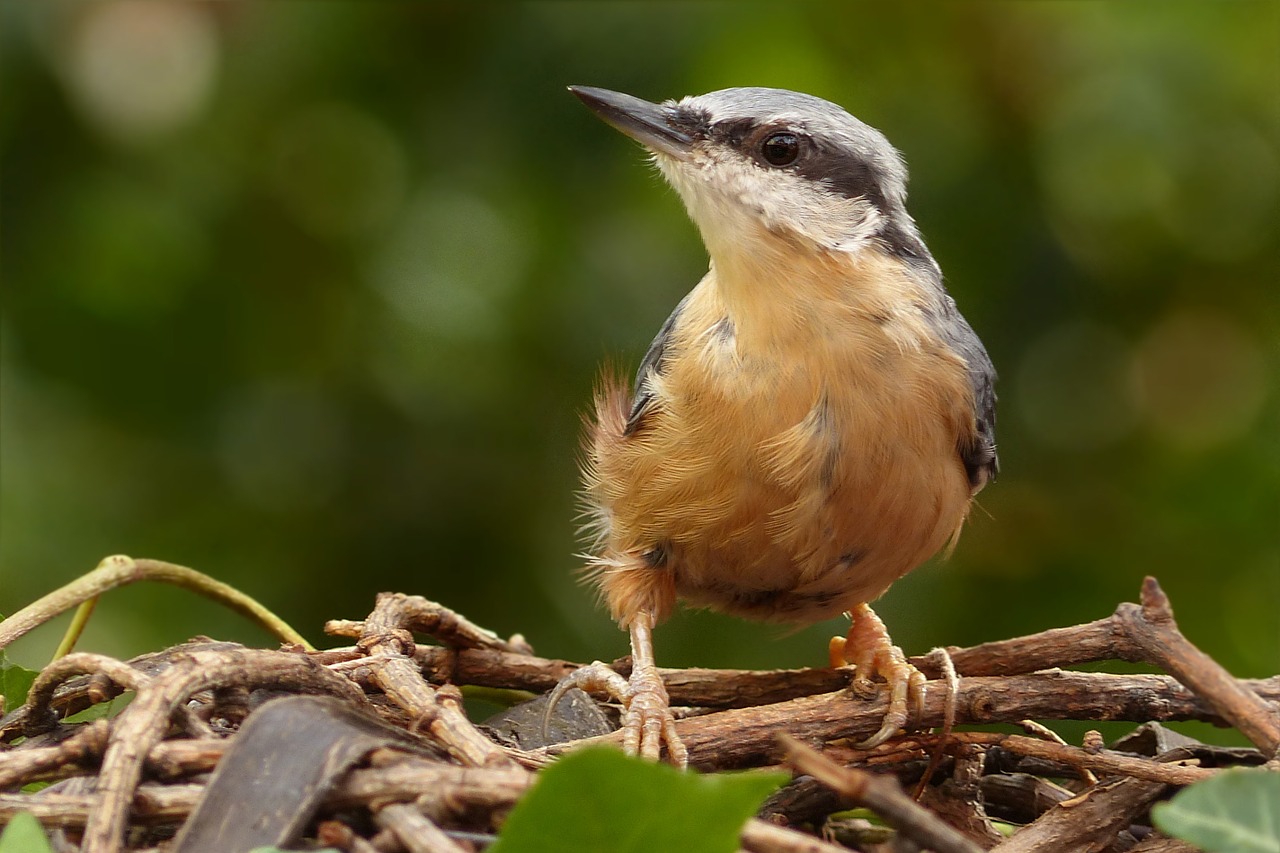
24	834
600	800
1237	811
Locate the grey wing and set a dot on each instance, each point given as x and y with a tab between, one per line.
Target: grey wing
979	455
650	365
978	452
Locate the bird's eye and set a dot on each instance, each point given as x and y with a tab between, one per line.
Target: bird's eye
780	149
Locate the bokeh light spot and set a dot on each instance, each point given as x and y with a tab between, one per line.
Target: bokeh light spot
449	264
1106	159
1225	200
138	69
1200	378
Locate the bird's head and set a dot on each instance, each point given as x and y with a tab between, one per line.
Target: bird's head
759	166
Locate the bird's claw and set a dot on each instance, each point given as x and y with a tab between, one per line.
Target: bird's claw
871	651
594	676
647	721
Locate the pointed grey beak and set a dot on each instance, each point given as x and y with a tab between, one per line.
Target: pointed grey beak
647	123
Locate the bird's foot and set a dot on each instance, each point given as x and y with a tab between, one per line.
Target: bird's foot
872	652
647	721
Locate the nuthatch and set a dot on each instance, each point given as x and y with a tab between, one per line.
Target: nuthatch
811	422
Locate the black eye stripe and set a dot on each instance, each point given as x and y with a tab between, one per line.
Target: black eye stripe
844	172
835	167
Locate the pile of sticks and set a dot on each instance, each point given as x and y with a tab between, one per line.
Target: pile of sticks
390	760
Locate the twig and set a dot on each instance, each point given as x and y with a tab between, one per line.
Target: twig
23	766
948	717
451	628
83	691
1087	822
119	570
1110	763
707	688
439	790
151	804
1155	632
386	636
1057	647
41	718
1045	733
883	795
760	836
415	832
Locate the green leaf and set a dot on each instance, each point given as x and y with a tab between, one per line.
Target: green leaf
15	683
602	800
24	834
1237	811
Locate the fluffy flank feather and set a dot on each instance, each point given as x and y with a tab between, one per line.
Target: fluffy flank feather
602	431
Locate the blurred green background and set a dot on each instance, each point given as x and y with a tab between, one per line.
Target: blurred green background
311	296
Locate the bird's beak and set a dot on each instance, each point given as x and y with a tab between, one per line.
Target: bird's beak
647	123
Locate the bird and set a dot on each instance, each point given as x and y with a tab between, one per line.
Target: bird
813	420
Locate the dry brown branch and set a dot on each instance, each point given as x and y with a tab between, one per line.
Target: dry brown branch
728	688
152	804
1152	628
1045	733
415	613
882	794
40	716
1113	764
706	688
1057	647
415	832
1086	822
745	737
1108	763
386	637
760	836
74	755
81	692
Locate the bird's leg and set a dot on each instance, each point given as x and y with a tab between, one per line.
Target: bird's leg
871	651
647	721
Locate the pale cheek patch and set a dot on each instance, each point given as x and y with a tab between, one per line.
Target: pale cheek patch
730	197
